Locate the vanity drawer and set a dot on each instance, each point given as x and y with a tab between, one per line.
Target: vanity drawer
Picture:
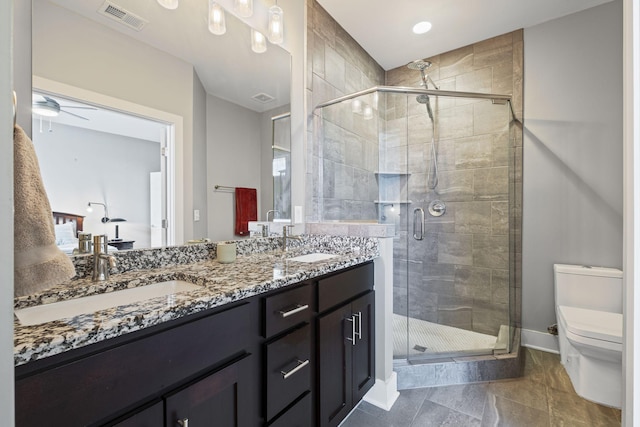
299	415
287	309
343	286
288	370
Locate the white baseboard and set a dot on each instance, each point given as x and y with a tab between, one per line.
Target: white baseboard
539	341
383	394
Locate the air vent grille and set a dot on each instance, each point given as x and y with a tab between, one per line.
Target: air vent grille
122	16
263	97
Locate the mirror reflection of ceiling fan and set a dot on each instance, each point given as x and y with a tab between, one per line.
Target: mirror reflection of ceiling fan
49	107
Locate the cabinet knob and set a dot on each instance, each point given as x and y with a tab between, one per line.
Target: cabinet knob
184	422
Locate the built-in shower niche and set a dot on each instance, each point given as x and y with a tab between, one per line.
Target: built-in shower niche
445	181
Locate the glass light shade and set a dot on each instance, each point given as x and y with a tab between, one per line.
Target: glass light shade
276	25
356	106
168	4
217	24
368	112
43	109
258	42
243	8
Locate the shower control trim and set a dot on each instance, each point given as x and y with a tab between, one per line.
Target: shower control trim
418	223
437	208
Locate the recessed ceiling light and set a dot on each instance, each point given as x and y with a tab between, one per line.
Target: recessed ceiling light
422	27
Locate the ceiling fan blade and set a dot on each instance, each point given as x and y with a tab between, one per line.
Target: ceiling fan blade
49	99
75	115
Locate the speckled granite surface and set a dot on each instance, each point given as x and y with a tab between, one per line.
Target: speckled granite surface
259	267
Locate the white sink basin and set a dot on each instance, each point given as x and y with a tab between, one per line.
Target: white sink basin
89	304
312	257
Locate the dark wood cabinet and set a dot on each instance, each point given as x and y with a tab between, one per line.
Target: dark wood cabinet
298	357
152	416
217	397
346	361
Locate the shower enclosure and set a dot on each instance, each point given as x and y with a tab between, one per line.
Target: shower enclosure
441	167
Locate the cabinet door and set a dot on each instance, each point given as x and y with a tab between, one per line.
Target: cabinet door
214	400
334	365
363	364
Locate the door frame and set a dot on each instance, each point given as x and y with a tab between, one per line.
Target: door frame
174	143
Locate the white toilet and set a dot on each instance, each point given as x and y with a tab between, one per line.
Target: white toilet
589	312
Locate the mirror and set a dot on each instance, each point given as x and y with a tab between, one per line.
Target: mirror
210	96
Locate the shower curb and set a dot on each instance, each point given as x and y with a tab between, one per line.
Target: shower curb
462	370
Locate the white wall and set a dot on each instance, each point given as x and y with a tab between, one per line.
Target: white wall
266	162
6	211
233	159
572	151
200	194
81	165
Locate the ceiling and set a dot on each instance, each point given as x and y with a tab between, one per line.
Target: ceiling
225	64
384	28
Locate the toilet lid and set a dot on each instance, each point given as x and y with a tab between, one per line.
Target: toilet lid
600	325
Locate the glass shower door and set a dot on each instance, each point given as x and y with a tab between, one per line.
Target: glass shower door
457	246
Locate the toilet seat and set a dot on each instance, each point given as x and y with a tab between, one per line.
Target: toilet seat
592	327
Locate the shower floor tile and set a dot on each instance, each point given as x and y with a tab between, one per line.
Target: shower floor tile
428	339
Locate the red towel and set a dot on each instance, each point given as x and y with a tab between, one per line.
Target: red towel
246	209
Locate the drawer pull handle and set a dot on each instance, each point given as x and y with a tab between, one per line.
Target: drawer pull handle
301	364
353	329
298	309
184	422
358	334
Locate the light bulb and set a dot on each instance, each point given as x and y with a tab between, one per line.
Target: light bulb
244	8
276	25
168	4
217	24
89	208
368	112
258	41
356	106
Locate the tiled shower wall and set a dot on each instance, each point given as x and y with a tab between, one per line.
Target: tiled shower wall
342	156
459	275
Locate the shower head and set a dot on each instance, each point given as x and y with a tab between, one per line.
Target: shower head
419	64
422	99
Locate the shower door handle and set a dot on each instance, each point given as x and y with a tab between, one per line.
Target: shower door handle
418	216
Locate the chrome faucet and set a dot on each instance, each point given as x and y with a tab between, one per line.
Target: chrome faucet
272	211
102	261
286	236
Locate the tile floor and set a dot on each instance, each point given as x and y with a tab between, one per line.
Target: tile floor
544	396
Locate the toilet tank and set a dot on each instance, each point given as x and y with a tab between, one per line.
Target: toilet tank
595	288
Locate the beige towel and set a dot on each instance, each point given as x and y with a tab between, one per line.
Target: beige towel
39	264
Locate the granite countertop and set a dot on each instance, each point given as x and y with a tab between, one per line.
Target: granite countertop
251	274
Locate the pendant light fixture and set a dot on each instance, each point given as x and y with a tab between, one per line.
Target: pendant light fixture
258	41
276	24
169	4
244	8
217	24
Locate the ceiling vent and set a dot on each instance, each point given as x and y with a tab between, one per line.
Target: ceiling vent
122	16
263	97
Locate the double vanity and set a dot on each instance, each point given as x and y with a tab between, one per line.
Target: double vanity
275	338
